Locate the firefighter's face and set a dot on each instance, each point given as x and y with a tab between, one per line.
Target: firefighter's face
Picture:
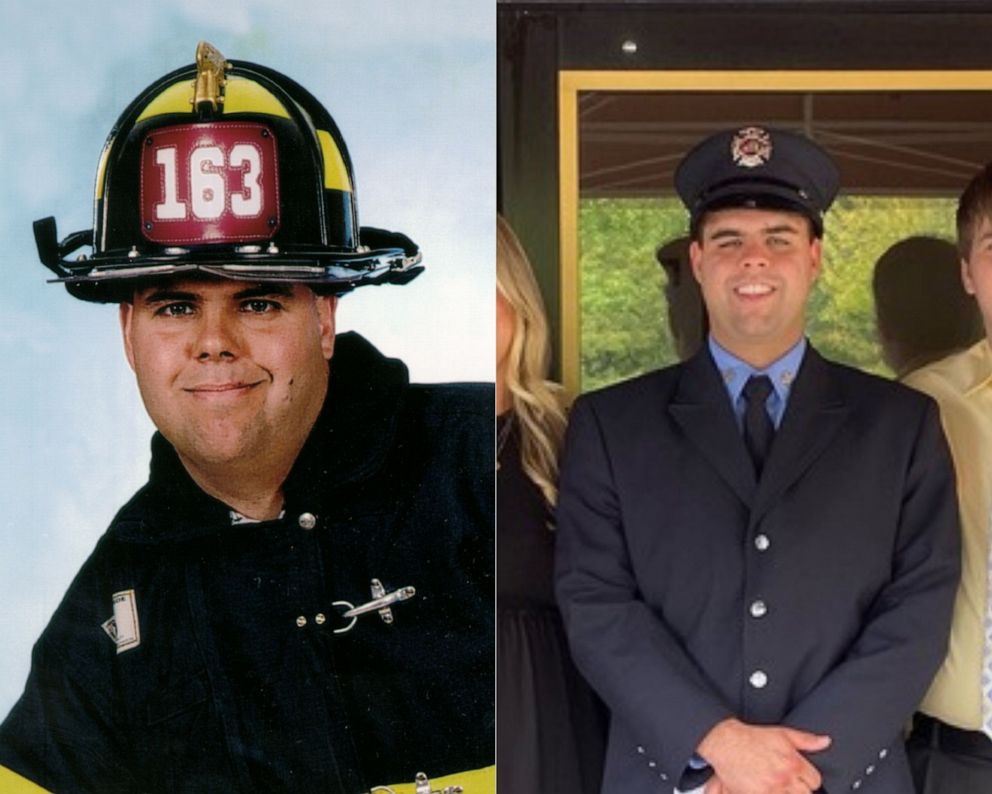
756	268
231	372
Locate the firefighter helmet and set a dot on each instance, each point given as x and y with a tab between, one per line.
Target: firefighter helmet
232	169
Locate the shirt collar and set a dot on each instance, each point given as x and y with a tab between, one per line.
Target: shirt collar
982	373
735	373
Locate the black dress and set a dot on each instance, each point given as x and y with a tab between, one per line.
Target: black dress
551	729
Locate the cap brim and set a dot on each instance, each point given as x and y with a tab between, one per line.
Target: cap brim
768	196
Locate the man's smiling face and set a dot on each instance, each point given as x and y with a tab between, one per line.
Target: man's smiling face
230	370
755	268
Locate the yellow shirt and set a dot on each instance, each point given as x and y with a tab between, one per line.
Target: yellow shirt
962	386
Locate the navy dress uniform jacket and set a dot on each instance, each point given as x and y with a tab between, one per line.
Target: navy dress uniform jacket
819	597
238	682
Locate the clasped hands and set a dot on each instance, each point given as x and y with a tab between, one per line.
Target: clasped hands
760	759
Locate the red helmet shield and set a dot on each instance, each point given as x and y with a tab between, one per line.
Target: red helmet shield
209	183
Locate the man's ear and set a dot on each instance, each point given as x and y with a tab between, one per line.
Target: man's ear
327	306
696	259
966	280
126	314
816	251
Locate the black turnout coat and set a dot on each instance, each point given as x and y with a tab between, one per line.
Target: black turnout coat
819	597
238	681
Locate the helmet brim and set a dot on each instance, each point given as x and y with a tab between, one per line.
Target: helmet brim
114	283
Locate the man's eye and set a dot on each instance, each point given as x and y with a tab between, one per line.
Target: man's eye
731	242
259	306
174	310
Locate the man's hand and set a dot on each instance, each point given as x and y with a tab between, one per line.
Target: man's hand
753	759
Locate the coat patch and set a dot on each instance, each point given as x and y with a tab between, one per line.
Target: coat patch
122	628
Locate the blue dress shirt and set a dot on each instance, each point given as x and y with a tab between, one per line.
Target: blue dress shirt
735	372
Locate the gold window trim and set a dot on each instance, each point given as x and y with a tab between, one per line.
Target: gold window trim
571	82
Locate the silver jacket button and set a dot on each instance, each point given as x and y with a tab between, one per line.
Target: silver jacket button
307	520
761	542
758	679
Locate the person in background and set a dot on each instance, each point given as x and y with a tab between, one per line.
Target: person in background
922	311
950	748
687	319
550	727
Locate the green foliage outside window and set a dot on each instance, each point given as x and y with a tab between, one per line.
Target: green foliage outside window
624	330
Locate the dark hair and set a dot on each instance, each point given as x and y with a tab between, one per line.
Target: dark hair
974	205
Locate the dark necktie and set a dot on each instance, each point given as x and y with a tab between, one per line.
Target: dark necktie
758	428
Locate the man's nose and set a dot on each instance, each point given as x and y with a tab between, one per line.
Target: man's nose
217	337
754	253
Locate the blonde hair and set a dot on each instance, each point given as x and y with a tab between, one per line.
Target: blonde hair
534	399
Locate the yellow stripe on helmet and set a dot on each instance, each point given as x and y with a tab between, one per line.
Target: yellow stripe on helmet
177	98
13	783
241	95
101	169
335	171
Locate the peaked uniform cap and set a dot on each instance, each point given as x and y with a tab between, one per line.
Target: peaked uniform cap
758	167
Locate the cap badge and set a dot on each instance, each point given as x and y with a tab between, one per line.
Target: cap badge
751	147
